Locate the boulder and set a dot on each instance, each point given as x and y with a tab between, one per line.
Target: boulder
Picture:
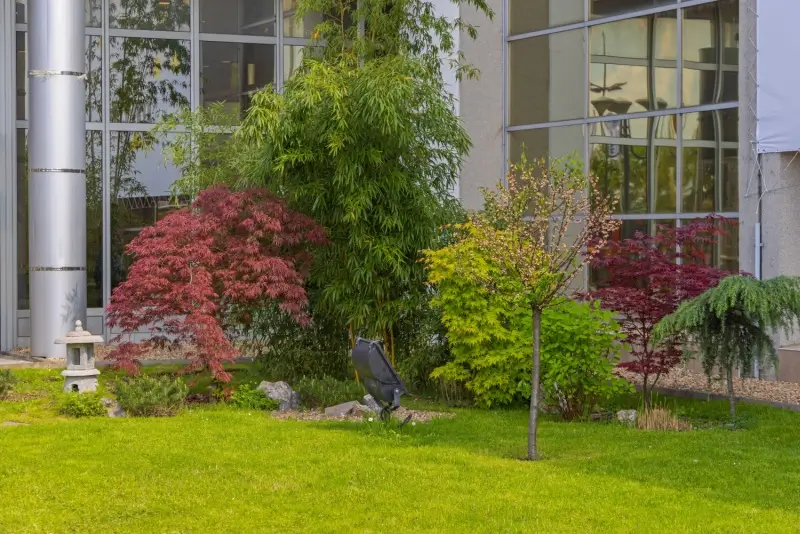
372	404
627	417
113	408
347	409
288	398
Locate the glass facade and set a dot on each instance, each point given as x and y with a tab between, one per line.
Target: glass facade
145	58
644	92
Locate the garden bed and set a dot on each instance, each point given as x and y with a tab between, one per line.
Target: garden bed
401	414
748	388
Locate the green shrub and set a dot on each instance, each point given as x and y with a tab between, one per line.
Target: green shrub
580	349
7	382
148	396
249	398
285	351
82	405
489	333
327	391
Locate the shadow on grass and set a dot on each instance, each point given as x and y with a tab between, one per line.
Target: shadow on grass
758	465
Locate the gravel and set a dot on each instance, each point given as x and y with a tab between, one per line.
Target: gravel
751	388
102	351
399	414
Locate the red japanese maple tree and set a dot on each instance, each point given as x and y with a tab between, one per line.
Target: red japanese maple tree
201	272
646	278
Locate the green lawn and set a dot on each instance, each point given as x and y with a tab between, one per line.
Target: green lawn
220	470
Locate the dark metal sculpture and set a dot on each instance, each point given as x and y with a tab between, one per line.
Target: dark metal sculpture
379	378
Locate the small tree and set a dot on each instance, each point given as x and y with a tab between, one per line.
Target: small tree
645	279
199	274
538	230
731	323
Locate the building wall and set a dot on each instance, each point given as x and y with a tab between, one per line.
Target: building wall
769	194
482	104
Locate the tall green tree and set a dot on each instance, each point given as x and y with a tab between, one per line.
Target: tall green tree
365	140
732	324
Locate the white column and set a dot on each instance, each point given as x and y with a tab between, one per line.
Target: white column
57	177
8	179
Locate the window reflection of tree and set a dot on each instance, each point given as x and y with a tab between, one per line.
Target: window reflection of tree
148	77
168	15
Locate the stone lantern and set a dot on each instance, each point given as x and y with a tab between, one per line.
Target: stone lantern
81	375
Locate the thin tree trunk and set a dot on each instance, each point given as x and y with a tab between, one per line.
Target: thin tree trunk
533	421
646	393
731	397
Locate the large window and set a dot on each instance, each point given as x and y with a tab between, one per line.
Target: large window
644	91
145	58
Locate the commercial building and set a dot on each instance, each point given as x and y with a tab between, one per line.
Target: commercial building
656	97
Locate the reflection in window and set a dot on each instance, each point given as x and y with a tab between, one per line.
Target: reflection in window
711	53
245	17
710	162
547	76
149	77
94	219
140	192
22	75
633	63
628	229
533	15
232	72
292	58
608	8
547	143
93	87
638	171
294	26
725	253
92	8
167	15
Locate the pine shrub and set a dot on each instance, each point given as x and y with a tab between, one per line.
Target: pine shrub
147	396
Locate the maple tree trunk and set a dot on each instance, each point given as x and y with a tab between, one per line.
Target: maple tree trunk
646	393
533	420
731	396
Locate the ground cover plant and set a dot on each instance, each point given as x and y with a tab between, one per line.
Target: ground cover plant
82	405
7	381
243	471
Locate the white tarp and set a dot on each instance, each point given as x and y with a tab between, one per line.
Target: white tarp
778	76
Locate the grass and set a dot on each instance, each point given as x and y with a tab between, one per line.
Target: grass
216	469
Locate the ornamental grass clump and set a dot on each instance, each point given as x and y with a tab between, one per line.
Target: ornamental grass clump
658	418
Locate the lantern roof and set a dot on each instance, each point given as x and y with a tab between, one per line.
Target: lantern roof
79	336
